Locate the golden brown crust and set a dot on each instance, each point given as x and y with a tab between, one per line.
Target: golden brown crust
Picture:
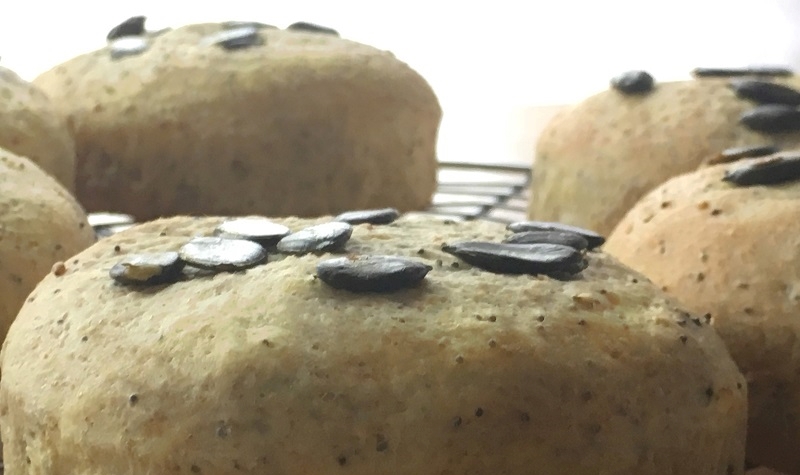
306	124
595	160
472	373
40	224
31	127
732	252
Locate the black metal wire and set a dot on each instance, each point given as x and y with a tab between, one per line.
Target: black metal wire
494	187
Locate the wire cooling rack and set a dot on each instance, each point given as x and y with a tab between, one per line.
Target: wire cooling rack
494	192
466	191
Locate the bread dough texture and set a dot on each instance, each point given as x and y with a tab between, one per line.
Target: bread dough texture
306	124
31	127
732	252
273	371
40	224
596	159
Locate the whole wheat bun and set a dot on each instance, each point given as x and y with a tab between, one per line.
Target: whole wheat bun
304	124
271	370
596	159
40	224
30	127
732	252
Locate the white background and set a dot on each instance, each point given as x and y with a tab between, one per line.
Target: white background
490	62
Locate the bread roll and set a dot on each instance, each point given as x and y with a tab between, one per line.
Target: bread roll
235	119
31	127
40	224
732	251
275	369
596	159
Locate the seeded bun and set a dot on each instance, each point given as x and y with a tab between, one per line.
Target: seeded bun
732	252
40	224
305	124
470	372
596	159
31	127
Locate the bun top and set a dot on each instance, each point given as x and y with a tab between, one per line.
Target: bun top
726	240
595	159
31	127
40	224
727	229
171	60
322	122
311	361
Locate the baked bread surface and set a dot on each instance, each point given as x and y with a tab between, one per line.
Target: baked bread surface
303	124
732	252
31	127
40	224
596	159
272	371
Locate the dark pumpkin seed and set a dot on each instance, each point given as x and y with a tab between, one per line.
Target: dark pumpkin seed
128	46
573	240
326	237
148	269
311	27
765	171
369	216
222	254
772	118
253	228
592	238
547	259
738	153
133	26
633	82
764	92
236	38
372	273
749	71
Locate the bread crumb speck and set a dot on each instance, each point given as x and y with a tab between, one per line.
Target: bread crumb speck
59	269
585	301
381	444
